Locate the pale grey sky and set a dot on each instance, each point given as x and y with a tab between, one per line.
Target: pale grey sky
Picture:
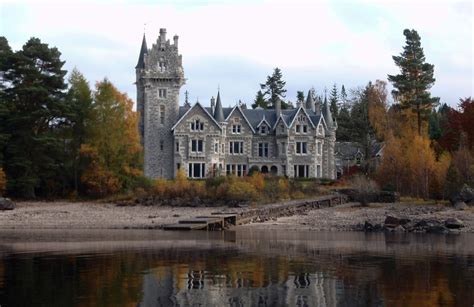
236	44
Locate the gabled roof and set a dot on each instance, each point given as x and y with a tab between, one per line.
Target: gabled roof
307	115
262	121
197	104
143	51
237	107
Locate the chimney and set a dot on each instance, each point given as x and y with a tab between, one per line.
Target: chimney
162	35
175	40
278	107
213	105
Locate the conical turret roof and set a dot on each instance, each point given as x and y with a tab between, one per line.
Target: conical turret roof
309	101
219	112
143	51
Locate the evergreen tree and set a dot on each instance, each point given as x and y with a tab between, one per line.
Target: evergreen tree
300	97
260	101
344	125
36	108
343	97
333	101
5	64
80	101
416	78
274	89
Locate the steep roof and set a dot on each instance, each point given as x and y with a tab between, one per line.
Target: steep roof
310	101
219	112
143	51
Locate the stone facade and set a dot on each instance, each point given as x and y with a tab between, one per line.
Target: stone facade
211	141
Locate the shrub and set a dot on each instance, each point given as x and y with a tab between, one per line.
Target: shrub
364	186
241	191
100	182
3	182
257	180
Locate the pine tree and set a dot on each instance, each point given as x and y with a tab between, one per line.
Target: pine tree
260	101
36	108
300	97
343	97
416	78
333	101
274	89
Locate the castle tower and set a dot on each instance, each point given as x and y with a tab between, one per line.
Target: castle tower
159	77
329	167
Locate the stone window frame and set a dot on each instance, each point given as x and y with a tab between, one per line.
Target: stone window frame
195	144
196	125
263	149
239	170
162	114
305	128
192	169
301	148
319	147
298	129
162	93
236	129
239	147
297	168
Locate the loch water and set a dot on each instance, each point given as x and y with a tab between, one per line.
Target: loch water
234	268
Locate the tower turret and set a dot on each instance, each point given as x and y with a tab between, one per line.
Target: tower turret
160	76
310	101
219	112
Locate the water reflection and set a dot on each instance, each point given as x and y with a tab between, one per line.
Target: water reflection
150	268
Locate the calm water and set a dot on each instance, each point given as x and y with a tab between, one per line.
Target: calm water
243	268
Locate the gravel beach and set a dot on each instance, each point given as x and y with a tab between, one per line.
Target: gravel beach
89	215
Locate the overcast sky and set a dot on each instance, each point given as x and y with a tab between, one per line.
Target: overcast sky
236	44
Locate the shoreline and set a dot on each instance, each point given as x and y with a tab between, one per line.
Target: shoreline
93	215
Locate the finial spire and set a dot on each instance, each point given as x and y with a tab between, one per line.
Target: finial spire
143	51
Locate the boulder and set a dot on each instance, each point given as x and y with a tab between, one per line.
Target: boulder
6	204
399	228
460	205
392	221
453	223
467	194
437	229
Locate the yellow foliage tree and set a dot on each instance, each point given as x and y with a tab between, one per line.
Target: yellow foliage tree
421	166
113	138
391	171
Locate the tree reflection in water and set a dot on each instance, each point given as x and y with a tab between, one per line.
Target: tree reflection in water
238	269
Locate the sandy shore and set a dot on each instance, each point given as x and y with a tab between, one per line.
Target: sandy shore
88	215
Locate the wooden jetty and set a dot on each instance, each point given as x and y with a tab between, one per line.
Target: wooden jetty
223	220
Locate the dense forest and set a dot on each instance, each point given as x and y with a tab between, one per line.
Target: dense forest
61	138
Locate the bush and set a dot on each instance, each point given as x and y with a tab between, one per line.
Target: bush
3	182
364	186
241	191
100	182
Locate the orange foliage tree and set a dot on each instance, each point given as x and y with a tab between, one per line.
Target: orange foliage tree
113	146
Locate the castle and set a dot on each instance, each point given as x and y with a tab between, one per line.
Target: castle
210	141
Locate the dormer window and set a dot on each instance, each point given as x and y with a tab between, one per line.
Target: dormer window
298	128
263	129
197	125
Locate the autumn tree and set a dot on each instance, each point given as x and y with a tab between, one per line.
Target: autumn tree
411	86
377	108
113	144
